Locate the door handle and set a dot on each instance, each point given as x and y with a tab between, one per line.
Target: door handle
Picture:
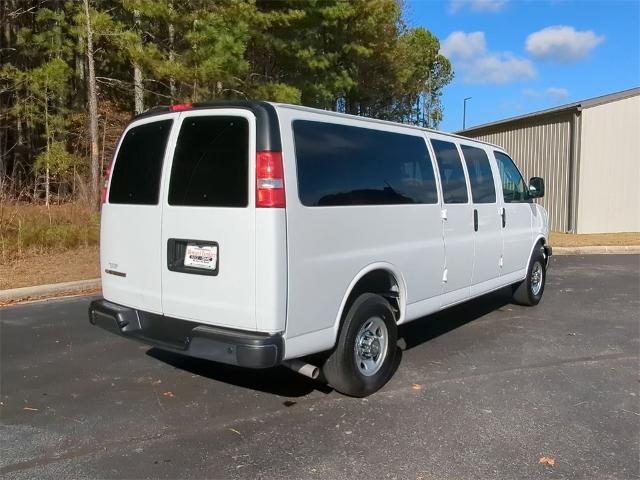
475	220
503	214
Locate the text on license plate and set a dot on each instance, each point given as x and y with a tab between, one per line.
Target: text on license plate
201	256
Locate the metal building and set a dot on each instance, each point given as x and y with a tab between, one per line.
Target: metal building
588	152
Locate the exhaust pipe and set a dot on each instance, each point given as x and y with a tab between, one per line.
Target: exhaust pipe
303	368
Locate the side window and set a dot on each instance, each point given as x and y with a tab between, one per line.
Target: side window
454	186
211	163
138	166
513	186
483	189
345	165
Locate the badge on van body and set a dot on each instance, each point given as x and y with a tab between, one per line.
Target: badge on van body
201	256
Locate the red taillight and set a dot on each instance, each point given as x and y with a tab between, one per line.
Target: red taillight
103	194
269	180
180	107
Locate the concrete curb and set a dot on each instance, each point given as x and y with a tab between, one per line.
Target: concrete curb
16	294
613	249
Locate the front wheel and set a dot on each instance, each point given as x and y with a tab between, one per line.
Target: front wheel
530	291
363	360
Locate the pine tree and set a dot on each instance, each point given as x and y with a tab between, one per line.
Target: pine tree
72	72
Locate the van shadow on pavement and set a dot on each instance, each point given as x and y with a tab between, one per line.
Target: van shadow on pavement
279	380
422	330
284	382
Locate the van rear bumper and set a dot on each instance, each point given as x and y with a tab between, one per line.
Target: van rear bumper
224	345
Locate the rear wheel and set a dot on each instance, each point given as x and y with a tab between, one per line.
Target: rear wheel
363	360
530	291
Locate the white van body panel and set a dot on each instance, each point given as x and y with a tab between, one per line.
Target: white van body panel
130	246
271	270
324	339
227	299
539	222
141	287
328	247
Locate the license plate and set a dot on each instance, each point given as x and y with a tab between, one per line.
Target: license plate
201	256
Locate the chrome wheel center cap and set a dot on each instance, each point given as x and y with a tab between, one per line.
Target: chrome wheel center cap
536	278
369	346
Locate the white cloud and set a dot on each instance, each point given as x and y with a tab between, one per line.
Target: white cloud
471	58
464	45
562	44
478	6
499	68
557	94
551	94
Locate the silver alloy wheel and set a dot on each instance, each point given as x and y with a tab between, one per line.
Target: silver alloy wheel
536	278
371	346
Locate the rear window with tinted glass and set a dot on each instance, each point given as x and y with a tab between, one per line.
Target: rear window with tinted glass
138	167
345	165
211	163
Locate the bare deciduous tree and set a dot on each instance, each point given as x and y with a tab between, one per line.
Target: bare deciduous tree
93	110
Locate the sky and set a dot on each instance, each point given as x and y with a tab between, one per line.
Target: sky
514	57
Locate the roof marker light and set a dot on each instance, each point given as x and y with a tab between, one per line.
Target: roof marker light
180	107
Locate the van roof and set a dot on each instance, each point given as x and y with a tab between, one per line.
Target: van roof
267	127
268	132
375	120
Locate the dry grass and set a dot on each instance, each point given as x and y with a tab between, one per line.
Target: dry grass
42	268
594	239
40	245
27	230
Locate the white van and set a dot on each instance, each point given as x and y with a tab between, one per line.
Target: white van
258	234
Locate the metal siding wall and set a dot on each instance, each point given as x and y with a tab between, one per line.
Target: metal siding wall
610	168
541	147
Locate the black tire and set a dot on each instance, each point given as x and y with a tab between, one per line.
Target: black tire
529	292
342	370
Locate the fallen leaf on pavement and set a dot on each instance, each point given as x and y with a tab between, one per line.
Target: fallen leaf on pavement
169	394
416	386
547	461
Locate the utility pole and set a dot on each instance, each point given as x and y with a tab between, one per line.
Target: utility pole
464	113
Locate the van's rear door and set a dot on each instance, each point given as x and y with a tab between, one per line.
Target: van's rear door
130	248
208	220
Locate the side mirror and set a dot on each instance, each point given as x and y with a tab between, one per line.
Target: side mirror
536	187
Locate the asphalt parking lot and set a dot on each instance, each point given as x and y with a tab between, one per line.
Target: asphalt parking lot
482	391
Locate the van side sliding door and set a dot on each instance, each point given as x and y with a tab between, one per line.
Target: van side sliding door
457	218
